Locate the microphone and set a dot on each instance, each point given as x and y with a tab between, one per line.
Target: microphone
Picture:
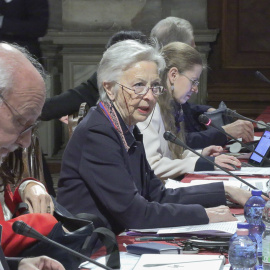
22	228
208	122
260	76
168	136
232	113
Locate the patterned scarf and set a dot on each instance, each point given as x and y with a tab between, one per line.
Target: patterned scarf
110	112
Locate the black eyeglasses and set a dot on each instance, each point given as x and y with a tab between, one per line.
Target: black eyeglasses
142	90
194	83
11	108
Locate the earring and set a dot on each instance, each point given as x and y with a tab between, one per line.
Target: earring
172	87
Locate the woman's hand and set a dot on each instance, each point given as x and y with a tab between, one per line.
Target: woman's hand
220	213
37	198
228	162
212	150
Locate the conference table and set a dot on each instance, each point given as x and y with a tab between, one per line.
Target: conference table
126	238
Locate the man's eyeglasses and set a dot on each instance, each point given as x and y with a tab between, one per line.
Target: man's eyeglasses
143	90
194	83
11	108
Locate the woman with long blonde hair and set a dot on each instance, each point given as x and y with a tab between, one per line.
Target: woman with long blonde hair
181	79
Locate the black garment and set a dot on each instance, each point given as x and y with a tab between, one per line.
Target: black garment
13	262
75	240
69	102
24	22
197	136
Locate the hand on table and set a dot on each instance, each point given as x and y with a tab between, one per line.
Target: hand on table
237	195
240	129
228	162
212	150
37	198
40	263
220	213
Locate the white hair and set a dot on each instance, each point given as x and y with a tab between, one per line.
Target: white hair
121	56
173	29
9	64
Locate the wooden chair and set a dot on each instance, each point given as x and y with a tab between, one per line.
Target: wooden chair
76	118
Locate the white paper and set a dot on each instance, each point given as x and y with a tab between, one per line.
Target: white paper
185	262
127	260
242	171
211	228
259	183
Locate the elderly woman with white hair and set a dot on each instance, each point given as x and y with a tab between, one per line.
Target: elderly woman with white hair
105	171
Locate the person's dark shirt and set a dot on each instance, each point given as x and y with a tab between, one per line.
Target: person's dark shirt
197	136
69	102
24	22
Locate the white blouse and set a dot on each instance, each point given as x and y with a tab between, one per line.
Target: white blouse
157	150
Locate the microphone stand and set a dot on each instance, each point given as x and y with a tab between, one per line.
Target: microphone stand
261	76
172	138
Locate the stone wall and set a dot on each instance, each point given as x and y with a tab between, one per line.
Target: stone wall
79	30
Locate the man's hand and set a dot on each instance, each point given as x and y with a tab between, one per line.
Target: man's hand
38	200
64	119
40	263
220	213
236	195
240	129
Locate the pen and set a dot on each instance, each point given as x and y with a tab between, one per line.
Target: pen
167	238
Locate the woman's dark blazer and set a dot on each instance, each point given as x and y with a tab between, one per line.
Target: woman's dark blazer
101	177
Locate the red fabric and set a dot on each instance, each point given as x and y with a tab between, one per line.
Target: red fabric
13	243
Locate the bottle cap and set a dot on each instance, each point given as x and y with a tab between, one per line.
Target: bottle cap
242	231
242	225
256	192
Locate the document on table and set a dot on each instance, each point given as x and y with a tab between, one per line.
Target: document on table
128	262
242	171
216	229
220	229
185	262
259	183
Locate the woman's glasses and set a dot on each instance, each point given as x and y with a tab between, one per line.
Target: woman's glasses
194	83
143	90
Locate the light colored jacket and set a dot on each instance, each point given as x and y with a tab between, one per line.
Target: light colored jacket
157	150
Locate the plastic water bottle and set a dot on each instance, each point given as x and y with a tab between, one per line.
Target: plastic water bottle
266	235
253	213
242	251
243	225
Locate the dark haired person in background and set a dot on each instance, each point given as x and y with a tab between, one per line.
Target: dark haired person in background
70	101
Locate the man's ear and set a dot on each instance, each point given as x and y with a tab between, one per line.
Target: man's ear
172	74
108	87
